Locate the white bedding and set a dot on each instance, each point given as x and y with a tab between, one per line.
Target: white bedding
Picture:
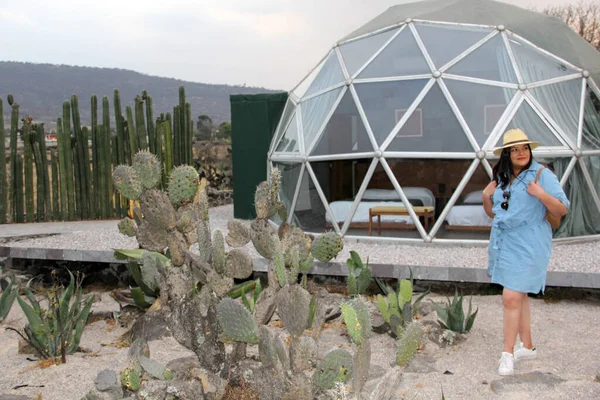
417	193
341	211
468	215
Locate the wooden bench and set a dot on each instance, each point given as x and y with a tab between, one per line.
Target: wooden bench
426	212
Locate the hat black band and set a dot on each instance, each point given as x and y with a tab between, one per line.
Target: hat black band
517	142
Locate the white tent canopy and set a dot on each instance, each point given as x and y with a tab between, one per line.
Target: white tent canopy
441	80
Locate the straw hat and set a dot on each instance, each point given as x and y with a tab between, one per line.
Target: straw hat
515	137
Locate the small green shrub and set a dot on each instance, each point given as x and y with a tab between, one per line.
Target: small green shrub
452	316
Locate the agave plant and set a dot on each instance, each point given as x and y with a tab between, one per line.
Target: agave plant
452	316
56	330
9	293
359	274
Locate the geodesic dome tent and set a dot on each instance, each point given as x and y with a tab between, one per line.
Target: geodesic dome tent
404	113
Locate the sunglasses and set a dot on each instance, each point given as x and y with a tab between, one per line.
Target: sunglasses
506	196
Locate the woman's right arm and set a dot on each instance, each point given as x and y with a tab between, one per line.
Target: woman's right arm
488	192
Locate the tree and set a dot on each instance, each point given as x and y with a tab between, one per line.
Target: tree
583	18
205	127
224	131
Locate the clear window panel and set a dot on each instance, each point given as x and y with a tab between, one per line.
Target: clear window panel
534	65
290	174
480	105
345	132
330	74
381	100
301	89
285	119
466	219
289	141
310	213
431	127
401	57
489	61
591	122
583	217
357	53
561	101
314	112
527	120
444	43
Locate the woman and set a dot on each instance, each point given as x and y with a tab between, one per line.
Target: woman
521	237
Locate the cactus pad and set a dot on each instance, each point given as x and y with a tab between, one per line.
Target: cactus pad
262	200
327	246
264	238
127	227
293	307
219	284
362	365
131	379
157	209
409	343
148	169
183	184
238	264
336	367
151	238
236	321
266	347
218	251
238	235
357	319
177	247
127	182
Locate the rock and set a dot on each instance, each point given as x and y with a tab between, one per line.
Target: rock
300	388
213	386
184	368
176	390
378	324
108	382
95	316
386	388
25	348
155	369
267	382
138	348
422	364
525	382
14	397
424	308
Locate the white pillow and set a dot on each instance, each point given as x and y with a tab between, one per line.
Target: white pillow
381	194
474	197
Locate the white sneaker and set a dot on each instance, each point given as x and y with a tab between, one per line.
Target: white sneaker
506	365
523	353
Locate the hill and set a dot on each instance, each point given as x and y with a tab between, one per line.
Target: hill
41	89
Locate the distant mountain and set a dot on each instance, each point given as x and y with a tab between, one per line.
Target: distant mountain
41	89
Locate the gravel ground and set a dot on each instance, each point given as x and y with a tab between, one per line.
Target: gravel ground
567	353
579	257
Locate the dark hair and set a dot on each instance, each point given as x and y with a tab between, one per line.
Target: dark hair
503	169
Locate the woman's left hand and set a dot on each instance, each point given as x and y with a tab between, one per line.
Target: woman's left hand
535	189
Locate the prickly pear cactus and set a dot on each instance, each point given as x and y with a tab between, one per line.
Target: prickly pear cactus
293	307
264	238
127	182
357	319
183	184
131	379
238	233
238	264
127	227
336	367
359	274
148	169
157	209
409	343
236	321
327	246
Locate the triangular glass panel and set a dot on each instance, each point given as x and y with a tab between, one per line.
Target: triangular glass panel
300	90
466	218
489	61
290	174
446	42
527	120
345	132
285	119
535	66
480	105
584	218
561	101
382	101
289	141
431	127
329	75
401	57
591	122
383	204
314	113
358	52
310	212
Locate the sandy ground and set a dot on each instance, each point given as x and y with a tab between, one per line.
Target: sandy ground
565	332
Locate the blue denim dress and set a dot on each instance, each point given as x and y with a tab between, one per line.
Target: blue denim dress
521	237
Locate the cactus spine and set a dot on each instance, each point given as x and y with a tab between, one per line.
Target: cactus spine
3	182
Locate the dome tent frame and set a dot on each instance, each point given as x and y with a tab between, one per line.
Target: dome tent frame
301	96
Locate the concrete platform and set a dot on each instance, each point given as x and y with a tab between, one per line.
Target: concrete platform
15	237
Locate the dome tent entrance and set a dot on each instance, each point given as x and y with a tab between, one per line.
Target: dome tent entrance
418	98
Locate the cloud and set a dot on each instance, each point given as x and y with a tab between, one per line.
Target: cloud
17	18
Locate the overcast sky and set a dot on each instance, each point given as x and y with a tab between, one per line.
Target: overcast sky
267	43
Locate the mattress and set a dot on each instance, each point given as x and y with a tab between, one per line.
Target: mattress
341	211
468	215
424	195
